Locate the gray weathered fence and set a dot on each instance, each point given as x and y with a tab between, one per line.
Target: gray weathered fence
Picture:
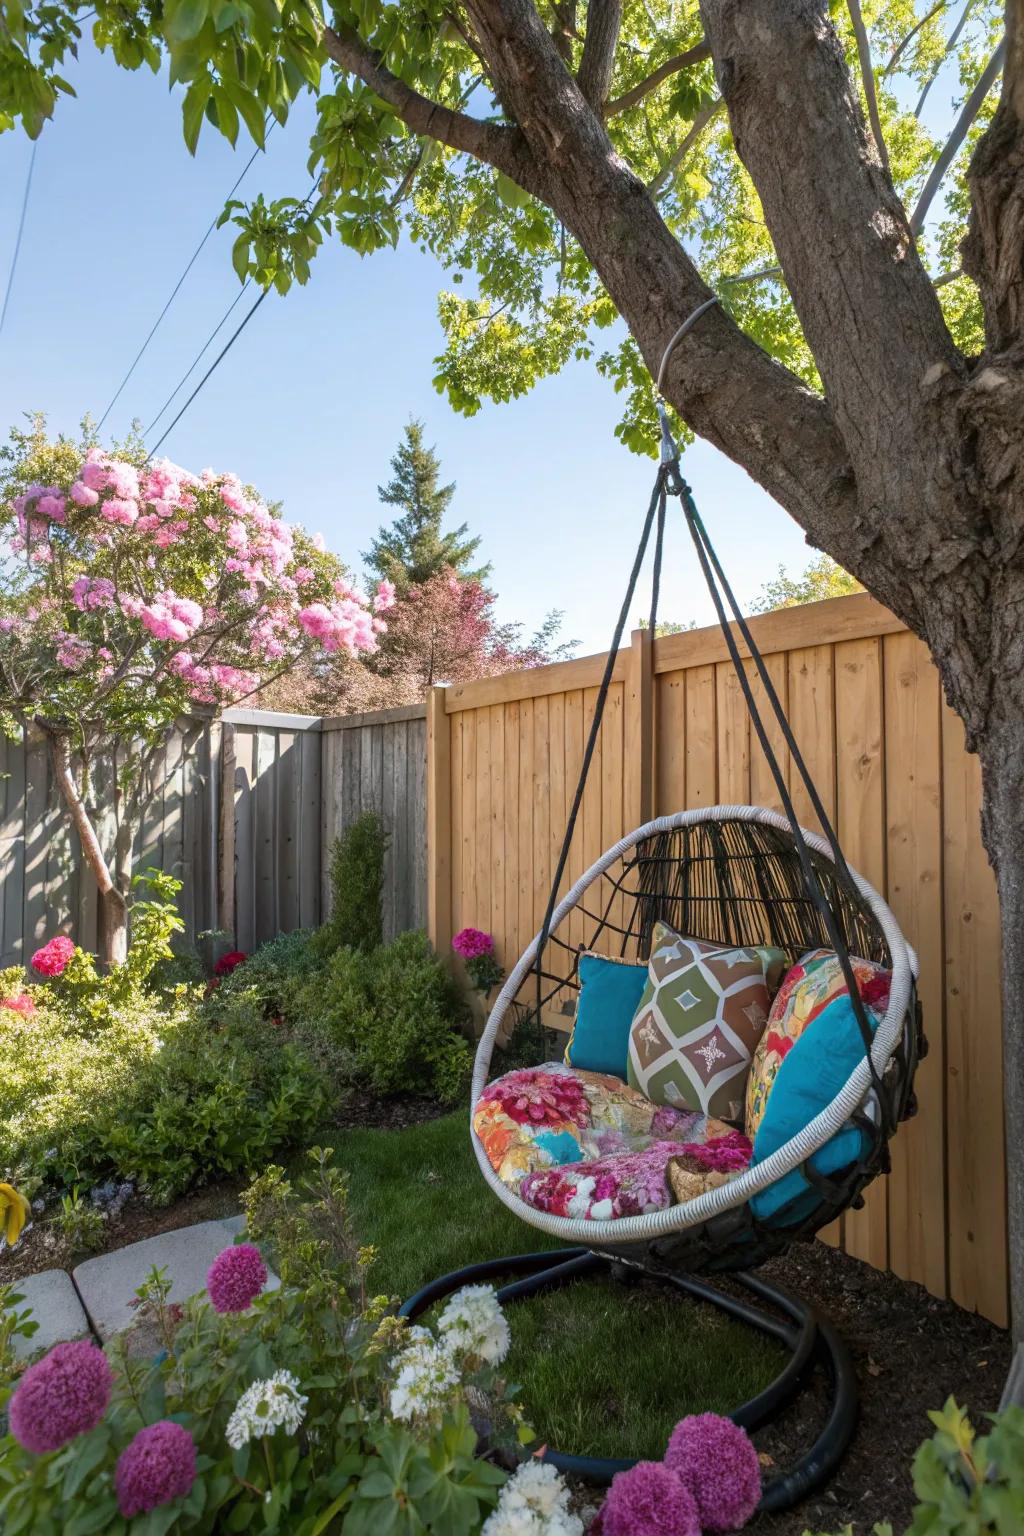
245	818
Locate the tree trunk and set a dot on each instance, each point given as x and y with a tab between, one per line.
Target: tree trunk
112	925
1003	828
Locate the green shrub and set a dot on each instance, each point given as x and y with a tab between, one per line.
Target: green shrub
357	880
156	1094
270	979
392	1013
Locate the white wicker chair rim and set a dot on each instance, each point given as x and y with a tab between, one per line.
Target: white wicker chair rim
691	1213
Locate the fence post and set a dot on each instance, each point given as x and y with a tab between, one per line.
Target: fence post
639	726
439	824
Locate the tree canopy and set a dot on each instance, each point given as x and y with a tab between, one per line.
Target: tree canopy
820	579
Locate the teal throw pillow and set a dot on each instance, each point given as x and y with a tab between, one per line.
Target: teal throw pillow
809	1078
609	996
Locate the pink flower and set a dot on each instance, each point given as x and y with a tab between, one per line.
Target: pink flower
649	1500
22	1003
52	959
84	495
302	574
119	510
537	1098
385	597
73	652
51	506
235	1278
63	1395
93	473
157	1466
471	942
90	592
715	1460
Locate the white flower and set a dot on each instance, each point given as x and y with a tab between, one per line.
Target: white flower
474	1324
535	1502
426	1380
265	1406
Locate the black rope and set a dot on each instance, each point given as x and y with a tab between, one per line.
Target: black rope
657	506
710	566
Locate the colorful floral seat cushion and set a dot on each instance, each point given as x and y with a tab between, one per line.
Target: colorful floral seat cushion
585	1144
699	1021
807	990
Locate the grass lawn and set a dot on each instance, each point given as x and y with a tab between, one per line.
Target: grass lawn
604	1369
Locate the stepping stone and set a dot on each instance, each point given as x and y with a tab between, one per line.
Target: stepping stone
55	1307
107	1284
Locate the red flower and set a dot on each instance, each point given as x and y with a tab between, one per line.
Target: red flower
21	1004
229	962
53	958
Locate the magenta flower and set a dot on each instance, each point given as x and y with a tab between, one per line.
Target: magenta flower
530	1097
235	1278
472	942
159	1465
53	958
649	1500
229	962
61	1396
716	1461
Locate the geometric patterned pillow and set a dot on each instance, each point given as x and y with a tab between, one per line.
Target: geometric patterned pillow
701	1016
808	988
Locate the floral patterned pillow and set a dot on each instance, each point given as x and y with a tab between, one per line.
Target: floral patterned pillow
808	988
635	1183
551	1116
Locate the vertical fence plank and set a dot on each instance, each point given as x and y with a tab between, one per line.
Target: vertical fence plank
314	790
511	941
763	788
456	725
387	810
541	809
495	791
639	702
913	789
526	810
671	744
418	818
470	840
860	824
974	1082
572	928
733	746
701	738
440	837
245	856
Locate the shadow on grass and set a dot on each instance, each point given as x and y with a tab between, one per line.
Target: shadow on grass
605	1369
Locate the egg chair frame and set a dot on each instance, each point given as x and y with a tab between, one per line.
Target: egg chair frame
739	876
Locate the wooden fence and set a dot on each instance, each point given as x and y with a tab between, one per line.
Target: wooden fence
246	819
888	757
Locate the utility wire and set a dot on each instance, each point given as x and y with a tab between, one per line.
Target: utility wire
198	358
177	287
21	231
220	356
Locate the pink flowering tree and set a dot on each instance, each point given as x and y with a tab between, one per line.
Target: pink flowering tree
135	596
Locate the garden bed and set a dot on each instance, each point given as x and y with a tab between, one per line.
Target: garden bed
610	1378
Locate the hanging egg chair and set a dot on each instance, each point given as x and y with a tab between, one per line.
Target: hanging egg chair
734	881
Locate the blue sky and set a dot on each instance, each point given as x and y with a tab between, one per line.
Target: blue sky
311	401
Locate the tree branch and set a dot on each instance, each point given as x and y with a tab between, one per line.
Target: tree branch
672	66
904	44
504	148
597	63
60	756
867	75
681	151
993	252
954	38
968	112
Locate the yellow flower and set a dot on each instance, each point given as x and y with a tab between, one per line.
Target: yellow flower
14	1213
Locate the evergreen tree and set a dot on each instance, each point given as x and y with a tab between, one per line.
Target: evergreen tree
415	547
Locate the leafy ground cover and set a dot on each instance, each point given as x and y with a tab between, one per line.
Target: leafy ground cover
604	1370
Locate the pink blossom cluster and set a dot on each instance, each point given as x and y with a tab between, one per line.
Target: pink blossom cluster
63	1395
156	1467
235	1278
471	942
138	544
21	1003
710	1480
53	958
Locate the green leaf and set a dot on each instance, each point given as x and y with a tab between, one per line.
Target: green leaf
510	192
193	107
185	19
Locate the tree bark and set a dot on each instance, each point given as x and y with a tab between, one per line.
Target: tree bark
1003	829
112	926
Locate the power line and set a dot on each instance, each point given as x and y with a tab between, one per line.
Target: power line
220	356
198	357
21	231
177	287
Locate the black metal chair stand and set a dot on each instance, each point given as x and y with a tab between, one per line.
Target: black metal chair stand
812	1342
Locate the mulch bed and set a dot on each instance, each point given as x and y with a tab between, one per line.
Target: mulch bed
911	1353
